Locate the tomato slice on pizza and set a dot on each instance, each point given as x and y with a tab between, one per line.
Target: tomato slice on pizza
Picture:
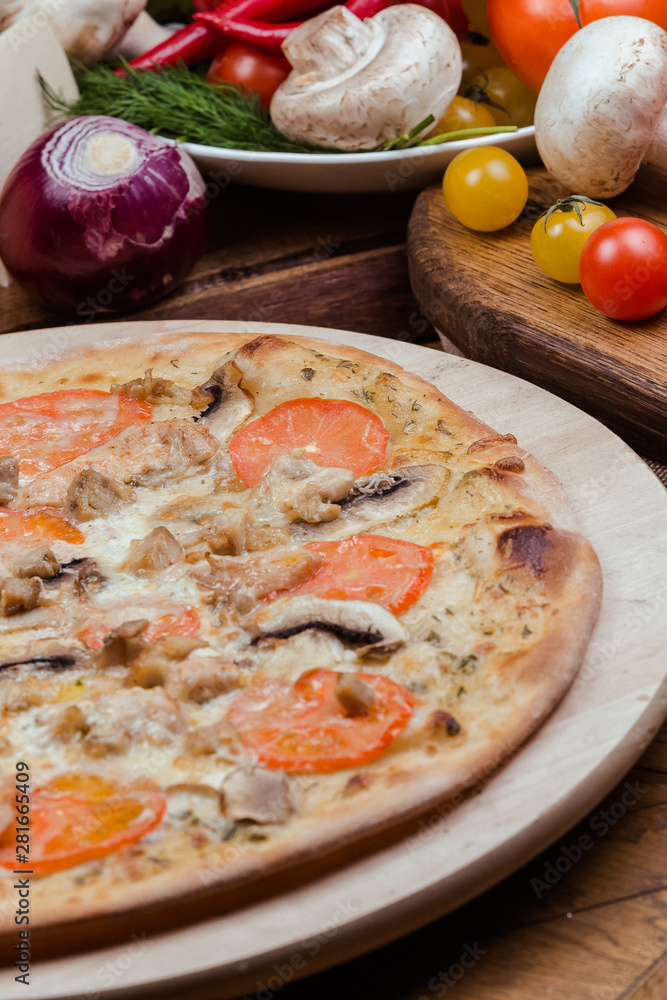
48	430
306	726
183	622
389	571
334	433
37	525
80	817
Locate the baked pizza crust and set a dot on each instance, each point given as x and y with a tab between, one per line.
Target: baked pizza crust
535	539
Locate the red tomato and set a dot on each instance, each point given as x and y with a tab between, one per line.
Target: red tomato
183	622
46	431
623	269
249	68
302	727
333	432
390	572
79	817
529	33
450	11
38	525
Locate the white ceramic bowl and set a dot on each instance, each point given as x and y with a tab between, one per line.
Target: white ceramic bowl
350	173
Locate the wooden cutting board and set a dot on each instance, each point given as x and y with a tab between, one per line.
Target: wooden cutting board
485	293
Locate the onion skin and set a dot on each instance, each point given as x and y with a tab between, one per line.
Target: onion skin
98	215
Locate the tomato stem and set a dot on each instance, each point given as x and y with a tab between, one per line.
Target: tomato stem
571	204
574	4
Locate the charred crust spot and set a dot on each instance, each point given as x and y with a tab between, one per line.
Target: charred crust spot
443	722
266	343
512	463
345	634
526	545
487	442
357	783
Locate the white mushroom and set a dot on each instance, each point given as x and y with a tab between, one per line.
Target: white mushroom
602	109
358	623
86	29
357	84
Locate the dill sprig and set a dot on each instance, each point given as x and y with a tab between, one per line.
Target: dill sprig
176	103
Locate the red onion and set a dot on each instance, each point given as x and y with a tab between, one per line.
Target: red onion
98	214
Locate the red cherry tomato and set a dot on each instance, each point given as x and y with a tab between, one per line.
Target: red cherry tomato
529	33
249	68
623	269
450	11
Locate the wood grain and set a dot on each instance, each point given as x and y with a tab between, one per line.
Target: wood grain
487	295
336	260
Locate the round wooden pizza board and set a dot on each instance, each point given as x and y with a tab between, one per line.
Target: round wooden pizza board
485	292
447	856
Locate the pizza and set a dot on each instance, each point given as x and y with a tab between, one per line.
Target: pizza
261	600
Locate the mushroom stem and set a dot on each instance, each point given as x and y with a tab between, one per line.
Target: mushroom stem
143	35
334	41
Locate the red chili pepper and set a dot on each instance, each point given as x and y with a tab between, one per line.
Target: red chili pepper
194	42
269	35
254	21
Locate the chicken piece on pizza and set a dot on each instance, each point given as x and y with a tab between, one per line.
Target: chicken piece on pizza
146	454
297	487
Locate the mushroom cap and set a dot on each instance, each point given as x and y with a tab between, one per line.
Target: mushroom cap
601	103
378	499
86	29
410	69
231	404
355	622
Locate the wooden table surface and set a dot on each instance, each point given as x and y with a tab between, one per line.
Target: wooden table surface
573	924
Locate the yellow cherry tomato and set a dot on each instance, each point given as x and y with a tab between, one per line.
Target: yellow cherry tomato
485	188
463	113
507	90
478	53
557	240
